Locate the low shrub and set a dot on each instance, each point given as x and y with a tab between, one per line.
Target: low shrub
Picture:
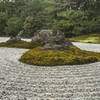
72	56
21	44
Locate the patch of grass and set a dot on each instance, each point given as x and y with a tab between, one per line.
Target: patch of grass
88	38
21	44
72	56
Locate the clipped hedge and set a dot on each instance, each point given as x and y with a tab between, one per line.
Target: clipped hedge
21	44
72	56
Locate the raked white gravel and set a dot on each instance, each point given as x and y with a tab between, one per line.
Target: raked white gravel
20	81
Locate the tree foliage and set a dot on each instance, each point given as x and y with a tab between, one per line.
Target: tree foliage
33	23
73	17
7	7
14	25
3	20
74	23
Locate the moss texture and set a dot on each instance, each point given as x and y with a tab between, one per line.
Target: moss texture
21	44
72	56
88	38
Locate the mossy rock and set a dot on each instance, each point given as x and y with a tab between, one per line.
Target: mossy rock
73	56
21	44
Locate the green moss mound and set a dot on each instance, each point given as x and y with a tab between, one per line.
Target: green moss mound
72	56
21	44
88	38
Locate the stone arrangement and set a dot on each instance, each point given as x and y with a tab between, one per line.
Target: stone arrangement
17	38
52	40
20	33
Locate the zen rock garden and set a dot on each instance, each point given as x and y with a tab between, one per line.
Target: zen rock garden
51	39
51	48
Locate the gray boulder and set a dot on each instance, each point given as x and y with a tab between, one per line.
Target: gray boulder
52	39
16	39
41	36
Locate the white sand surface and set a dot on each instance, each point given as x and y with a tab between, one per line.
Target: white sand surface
20	81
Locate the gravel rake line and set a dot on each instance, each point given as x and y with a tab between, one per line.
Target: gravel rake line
20	81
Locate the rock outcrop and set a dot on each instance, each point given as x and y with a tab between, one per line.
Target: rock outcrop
16	39
52	39
20	33
23	34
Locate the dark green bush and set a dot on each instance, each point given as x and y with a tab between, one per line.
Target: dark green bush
14	25
3	20
32	24
75	23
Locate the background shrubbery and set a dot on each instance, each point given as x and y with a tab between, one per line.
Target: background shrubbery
3	20
14	25
75	23
73	17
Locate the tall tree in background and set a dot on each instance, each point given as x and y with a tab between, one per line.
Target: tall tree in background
3	20
75	4
19	4
7	7
58	6
32	15
43	14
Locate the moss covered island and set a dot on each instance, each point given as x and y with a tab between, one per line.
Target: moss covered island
72	56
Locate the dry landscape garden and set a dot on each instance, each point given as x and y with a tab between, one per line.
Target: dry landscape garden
62	35
52	50
78	20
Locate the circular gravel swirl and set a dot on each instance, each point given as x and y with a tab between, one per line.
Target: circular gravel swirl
20	81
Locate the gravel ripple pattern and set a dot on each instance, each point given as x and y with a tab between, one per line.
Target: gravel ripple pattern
20	81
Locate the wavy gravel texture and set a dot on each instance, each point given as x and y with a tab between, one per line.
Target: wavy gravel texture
20	81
